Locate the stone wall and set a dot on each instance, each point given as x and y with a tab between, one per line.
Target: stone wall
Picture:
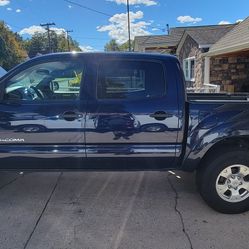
232	73
189	49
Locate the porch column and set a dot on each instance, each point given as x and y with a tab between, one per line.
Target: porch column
207	70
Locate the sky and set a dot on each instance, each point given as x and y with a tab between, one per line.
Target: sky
95	22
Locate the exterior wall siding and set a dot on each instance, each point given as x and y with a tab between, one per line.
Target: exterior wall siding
232	73
190	48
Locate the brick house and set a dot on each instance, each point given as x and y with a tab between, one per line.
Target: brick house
214	54
161	43
229	60
194	43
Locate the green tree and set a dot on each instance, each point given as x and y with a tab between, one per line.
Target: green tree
12	51
125	46
38	44
63	44
112	45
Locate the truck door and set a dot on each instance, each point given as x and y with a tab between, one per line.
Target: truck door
132	123
42	116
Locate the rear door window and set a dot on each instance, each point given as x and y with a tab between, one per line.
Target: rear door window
130	80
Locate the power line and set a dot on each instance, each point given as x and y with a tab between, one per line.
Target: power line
87	8
104	13
109	15
47	27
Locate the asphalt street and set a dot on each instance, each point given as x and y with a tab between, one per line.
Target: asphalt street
113	210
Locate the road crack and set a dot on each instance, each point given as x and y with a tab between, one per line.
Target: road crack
43	210
8	183
179	212
13	180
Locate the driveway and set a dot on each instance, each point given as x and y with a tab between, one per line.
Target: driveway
147	210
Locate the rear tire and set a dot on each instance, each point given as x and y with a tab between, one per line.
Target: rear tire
223	181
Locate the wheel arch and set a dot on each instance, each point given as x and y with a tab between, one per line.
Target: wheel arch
239	142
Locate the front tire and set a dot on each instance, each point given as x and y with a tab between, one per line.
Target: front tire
223	181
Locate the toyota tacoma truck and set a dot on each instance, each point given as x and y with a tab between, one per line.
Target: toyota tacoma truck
124	112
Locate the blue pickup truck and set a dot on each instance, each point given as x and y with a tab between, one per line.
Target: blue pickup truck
124	111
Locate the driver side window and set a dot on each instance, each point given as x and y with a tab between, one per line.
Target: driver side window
58	80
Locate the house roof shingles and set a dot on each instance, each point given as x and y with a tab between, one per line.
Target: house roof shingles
202	35
209	35
235	40
168	40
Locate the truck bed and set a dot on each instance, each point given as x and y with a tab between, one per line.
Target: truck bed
218	97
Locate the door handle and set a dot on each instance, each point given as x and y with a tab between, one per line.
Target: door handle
160	115
71	115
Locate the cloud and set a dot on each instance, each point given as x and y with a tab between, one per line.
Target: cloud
4	2
118	27
58	31
18	10
35	28
70	6
32	30
135	2
239	20
87	49
224	22
9	9
188	19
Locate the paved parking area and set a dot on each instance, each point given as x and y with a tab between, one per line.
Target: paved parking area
89	210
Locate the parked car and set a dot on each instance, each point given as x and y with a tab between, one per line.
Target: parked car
129	112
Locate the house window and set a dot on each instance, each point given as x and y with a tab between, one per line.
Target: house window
189	68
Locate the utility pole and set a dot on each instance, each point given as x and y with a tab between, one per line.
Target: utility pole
47	27
68	40
129	25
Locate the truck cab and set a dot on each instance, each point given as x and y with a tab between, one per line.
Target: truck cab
104	111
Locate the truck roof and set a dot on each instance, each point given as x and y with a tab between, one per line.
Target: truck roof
133	55
95	55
